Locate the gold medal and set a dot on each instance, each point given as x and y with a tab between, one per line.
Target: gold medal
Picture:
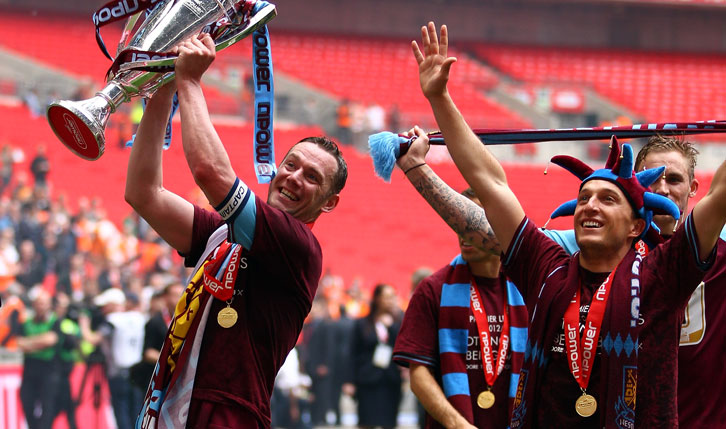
227	317
485	399
586	405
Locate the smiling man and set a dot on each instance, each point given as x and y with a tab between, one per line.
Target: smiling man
604	323
257	264
701	343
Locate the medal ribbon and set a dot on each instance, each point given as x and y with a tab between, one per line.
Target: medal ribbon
264	155
220	280
482	324
581	350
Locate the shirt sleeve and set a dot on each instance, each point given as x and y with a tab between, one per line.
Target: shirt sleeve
238	209
417	341
565	238
677	262
531	258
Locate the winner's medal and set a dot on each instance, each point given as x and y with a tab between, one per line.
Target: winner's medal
227	316
485	399
581	354
220	278
586	405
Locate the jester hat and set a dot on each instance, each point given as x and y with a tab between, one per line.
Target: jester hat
619	170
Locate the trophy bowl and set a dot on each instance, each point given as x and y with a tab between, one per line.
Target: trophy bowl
80	125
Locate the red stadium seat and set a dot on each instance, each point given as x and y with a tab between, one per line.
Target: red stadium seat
657	86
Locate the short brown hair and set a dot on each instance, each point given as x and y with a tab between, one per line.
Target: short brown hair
341	175
660	143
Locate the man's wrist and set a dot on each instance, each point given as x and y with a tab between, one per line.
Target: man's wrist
413	167
438	97
410	161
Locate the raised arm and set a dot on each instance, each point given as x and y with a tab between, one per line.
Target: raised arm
204	151
478	166
170	215
709	214
461	214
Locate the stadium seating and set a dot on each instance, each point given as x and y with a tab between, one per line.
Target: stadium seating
65	42
365	70
658	86
382	71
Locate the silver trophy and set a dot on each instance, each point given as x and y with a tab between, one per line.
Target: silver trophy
80	124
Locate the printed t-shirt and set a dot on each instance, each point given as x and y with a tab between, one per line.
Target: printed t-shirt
275	286
559	386
418	343
665	279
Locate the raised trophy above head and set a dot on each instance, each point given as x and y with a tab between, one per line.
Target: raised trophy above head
144	64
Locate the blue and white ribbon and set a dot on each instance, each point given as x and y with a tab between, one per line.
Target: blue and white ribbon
264	153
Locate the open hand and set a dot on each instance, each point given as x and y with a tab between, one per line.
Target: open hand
433	63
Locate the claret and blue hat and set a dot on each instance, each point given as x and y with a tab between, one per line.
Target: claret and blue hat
619	170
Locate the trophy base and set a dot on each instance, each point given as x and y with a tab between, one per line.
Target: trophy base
76	130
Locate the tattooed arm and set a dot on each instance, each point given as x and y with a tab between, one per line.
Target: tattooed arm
460	212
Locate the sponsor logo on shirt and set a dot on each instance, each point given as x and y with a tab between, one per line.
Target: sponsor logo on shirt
693	328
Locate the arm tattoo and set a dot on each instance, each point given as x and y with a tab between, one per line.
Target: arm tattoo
464	216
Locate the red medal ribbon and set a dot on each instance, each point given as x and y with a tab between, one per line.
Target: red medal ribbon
641	248
223	288
482	324
581	350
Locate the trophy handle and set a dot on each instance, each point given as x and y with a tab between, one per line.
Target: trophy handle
262	17
80	124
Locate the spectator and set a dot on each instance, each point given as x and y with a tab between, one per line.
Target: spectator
9	255
39	167
289	404
12	313
67	354
344	121
320	362
22	192
375	118
31	269
394	119
6	166
155	331
376	379
38	343
120	338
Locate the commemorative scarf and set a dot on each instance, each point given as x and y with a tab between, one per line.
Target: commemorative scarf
453	332
170	388
619	335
